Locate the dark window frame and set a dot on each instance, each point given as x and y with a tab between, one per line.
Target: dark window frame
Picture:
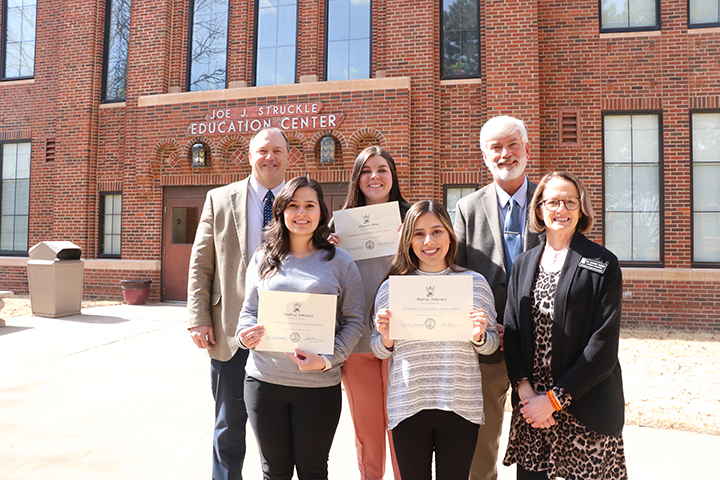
701	25
650	28
191	24
3	46
694	263
661	187
443	76
101	226
255	43
17	253
106	56
326	41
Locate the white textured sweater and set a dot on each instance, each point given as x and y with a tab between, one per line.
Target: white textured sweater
443	375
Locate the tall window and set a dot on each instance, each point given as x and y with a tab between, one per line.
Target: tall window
704	12
453	193
348	39
15	198
276	44
632	186
706	186
629	15
209	44
460	38
110	216
117	41
18	39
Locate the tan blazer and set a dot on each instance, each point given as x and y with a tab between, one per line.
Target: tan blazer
219	258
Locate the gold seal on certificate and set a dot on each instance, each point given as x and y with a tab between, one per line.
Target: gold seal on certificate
297	320
368	232
431	307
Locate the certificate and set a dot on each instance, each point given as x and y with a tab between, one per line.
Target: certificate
431	307
368	232
297	320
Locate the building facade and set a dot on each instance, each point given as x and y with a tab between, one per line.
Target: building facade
116	116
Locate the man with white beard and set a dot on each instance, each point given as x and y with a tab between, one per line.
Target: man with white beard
491	227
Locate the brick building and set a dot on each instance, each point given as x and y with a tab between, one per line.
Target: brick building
102	104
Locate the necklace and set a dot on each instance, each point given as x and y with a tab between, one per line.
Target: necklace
556	253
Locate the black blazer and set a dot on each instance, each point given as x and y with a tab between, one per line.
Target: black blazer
585	332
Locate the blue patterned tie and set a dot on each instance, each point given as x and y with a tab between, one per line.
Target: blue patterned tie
513	241
267	208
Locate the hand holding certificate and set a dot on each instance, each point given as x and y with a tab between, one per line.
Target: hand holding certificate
297	320
431	307
368	232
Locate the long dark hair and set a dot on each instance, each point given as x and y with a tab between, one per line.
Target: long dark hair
405	261
355	197
276	239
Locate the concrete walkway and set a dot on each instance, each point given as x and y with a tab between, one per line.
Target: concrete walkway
121	393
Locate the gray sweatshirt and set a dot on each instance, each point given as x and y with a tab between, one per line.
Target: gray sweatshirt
312	274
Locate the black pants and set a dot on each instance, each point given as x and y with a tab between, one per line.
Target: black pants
294	427
523	474
449	435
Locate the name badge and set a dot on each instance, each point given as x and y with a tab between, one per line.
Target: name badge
593	265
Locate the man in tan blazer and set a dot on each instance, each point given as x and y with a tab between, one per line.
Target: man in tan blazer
229	231
480	227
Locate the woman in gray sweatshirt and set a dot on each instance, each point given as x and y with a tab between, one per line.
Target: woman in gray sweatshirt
294	398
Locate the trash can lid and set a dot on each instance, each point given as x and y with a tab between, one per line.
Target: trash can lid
61	250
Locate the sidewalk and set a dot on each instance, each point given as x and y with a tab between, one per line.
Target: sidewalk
120	393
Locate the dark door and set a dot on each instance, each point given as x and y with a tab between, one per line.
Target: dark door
182	207
334	195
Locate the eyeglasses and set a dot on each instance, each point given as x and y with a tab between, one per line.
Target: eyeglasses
552	204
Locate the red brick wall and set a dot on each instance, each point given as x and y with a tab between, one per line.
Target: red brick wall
537	58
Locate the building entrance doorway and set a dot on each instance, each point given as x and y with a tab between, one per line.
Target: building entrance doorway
182	207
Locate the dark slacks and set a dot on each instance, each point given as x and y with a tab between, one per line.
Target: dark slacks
228	380
523	474
294	427
449	435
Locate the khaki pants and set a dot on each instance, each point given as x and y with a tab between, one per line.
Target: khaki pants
495	385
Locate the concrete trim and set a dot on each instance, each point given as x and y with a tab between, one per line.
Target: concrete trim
115	264
17	82
461	81
671	274
641	33
293	89
95	264
111	105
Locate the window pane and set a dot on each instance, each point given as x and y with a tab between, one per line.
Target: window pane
8	197
453	195
614	14
646	236
618	188
704	11
360	14
10	154
645	188
116	244
7	237
277	37
208	59
337	61
706	187
111	223
706	137
338	20
642	13
618	234
21	233
20	39
645	138
116	50
706	237
359	65
460	38
22	197
618	138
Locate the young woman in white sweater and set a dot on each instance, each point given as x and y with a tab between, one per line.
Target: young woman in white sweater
434	390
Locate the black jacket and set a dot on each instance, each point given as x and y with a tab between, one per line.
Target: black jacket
585	332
